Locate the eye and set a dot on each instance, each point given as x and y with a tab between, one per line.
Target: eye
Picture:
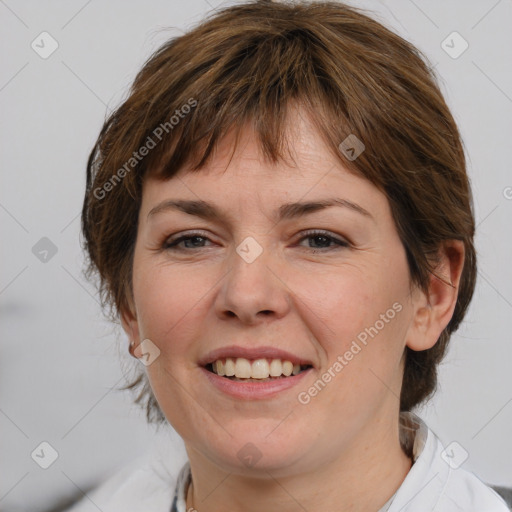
190	241
323	240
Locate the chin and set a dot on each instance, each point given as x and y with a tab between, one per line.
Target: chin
259	451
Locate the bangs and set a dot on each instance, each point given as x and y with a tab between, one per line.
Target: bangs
225	76
254	88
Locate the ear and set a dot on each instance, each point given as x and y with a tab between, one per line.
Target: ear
130	326
434	310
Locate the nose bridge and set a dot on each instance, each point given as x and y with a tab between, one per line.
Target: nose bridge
251	288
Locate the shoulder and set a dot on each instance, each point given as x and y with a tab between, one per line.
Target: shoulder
129	489
437	483
464	491
144	484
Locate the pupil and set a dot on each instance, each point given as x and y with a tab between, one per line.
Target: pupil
195	240
322	238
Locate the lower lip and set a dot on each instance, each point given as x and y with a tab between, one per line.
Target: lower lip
254	390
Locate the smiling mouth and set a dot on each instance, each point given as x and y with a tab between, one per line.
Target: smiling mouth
258	370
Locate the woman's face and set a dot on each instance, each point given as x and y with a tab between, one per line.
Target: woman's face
271	279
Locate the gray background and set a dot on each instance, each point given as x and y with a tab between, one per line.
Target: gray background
60	361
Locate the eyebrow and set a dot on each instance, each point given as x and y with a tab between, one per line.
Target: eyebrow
287	211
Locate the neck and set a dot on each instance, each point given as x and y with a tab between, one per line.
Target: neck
363	478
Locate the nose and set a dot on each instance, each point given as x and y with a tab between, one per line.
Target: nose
253	292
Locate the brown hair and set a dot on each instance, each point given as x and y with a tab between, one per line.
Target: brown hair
246	64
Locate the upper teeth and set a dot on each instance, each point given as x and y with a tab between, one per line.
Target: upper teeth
258	369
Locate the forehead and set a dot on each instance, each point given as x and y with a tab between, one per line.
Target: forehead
239	169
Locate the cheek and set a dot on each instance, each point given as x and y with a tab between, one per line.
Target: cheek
361	315
341	303
168	301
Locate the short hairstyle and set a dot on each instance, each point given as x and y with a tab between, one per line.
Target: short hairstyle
246	64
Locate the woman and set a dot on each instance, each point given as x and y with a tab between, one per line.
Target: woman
281	219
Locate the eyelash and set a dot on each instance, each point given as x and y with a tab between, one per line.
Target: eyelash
173	244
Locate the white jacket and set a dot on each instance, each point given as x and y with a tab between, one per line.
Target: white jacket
435	483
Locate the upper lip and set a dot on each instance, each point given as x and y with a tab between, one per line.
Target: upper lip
252	353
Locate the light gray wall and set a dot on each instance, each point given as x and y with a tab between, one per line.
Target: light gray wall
59	360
